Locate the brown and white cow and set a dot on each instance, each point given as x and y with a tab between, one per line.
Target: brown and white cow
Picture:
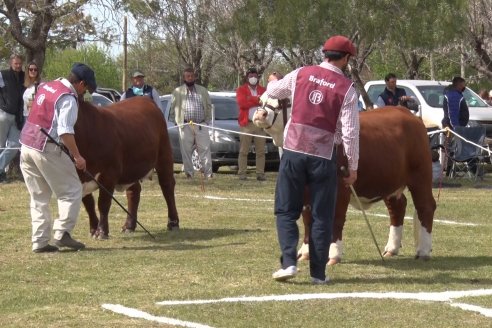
123	143
394	155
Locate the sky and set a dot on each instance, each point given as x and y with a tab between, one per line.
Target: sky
110	20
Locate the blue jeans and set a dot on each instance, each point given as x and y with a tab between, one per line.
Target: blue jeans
320	175
9	138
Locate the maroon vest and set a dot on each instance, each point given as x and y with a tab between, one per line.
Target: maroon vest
42	114
317	100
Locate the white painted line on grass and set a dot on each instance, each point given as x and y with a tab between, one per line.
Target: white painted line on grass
445	297
473	308
134	313
468	224
435	297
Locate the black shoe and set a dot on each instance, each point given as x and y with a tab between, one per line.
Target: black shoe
46	249
67	241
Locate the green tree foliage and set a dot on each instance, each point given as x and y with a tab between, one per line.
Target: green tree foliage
58	64
37	25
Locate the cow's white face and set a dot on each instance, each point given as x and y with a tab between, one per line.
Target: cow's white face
263	118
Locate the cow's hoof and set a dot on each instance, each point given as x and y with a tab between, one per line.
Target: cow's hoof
173	225
303	252
389	254
335	260
303	257
422	257
125	229
100	235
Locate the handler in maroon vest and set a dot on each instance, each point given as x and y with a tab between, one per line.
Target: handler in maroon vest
45	167
324	113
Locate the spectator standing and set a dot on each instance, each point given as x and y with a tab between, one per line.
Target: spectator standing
46	168
11	112
248	100
454	104
324	113
484	94
392	95
191	102
139	88
31	83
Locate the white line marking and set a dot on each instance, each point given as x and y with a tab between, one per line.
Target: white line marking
134	313
349	211
474	308
435	297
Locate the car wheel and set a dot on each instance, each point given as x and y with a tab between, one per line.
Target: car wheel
195	159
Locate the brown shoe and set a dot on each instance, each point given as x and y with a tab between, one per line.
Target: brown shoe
67	241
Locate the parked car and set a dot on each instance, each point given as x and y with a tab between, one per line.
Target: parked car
109	93
428	98
99	100
223	136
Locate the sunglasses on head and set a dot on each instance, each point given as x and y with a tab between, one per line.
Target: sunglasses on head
33	69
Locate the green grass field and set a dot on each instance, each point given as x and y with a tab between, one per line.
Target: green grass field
226	248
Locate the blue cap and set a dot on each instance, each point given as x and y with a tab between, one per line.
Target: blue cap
86	74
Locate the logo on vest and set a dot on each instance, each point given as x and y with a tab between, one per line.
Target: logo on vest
315	97
322	82
40	99
49	89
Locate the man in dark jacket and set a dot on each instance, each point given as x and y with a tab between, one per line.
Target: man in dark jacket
392	95
139	88
11	112
454	104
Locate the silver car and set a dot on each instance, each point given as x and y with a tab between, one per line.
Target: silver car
223	134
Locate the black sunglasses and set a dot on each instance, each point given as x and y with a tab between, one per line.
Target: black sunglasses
33	69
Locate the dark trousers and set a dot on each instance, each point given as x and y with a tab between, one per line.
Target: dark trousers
296	171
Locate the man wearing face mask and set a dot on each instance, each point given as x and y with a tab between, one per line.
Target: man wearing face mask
324	114
247	97
139	88
454	104
190	103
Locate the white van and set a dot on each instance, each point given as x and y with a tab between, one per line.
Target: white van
429	95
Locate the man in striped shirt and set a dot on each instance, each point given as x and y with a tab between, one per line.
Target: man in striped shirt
324	114
191	102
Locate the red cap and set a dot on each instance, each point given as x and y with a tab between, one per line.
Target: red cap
341	44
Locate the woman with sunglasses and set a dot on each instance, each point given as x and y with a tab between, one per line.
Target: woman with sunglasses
31	83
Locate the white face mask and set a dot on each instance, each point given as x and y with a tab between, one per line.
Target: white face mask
253	80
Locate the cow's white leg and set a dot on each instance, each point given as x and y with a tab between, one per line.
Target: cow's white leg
416	229
394	241
423	239
303	252
335	253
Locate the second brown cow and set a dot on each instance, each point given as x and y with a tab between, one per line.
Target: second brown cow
394	155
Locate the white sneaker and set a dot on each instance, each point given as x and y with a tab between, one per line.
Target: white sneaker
316	281
285	274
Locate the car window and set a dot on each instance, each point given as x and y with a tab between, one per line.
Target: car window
164	102
225	108
434	96
473	100
100	100
374	91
